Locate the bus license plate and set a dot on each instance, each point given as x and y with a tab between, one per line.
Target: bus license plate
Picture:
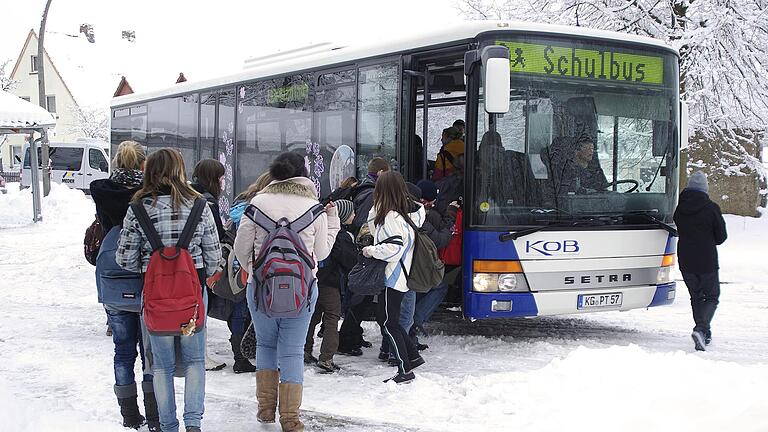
590	301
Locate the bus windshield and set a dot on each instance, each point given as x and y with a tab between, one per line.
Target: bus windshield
591	130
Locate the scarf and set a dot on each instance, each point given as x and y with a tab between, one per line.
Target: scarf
126	177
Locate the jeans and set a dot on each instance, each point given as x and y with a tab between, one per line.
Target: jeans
427	303
705	295
407	309
126	335
191	353
280	341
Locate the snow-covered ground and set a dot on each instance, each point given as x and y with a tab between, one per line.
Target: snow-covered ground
630	371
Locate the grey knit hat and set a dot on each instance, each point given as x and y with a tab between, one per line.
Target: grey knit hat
698	182
345	208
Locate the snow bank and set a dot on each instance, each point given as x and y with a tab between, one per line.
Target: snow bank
62	206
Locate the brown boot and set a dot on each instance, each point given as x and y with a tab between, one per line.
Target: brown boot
290	401
266	394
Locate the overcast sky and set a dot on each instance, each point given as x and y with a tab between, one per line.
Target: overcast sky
199	38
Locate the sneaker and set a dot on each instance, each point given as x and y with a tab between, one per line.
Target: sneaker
383	356
707	340
422	347
309	359
698	340
416	362
366	344
402	378
327	366
354	352
213	365
243	366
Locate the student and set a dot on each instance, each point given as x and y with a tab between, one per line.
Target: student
168	201
331	281
280	341
112	197
208	176
701	228
362	194
452	147
394	242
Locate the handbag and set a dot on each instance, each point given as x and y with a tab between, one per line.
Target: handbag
367	276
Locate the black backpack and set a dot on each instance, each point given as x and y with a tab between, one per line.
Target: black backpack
427	269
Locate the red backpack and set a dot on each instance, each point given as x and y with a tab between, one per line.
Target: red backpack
172	298
451	254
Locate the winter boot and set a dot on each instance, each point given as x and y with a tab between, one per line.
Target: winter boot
150	407
267	381
290	402
698	340
327	366
309	359
126	398
242	365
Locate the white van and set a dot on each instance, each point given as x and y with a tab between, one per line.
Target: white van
74	164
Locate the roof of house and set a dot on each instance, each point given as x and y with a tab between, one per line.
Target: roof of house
296	60
16	113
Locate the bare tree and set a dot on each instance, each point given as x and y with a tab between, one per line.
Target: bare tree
90	123
6	83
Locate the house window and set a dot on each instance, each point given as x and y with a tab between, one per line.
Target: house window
50	102
34	64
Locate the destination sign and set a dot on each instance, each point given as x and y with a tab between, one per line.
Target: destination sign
587	64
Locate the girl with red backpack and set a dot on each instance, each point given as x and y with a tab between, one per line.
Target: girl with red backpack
165	213
288	198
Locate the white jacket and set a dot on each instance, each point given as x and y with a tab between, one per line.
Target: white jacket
395	226
289	199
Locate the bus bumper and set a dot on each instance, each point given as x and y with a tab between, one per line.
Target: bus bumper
510	305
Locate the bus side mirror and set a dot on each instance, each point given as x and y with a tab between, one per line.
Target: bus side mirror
496	71
683	125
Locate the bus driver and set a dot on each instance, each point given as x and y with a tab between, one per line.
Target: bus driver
582	173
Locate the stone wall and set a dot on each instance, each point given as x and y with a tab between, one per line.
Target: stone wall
737	180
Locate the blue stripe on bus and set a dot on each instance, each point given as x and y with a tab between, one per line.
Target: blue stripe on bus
486	245
478	305
661	297
671	245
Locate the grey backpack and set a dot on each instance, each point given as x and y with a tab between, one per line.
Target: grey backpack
283	269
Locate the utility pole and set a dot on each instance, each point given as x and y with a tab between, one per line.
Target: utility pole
42	101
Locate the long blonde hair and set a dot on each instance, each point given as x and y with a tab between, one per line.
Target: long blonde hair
164	169
130	155
263	181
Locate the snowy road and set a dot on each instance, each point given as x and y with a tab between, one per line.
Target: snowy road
630	371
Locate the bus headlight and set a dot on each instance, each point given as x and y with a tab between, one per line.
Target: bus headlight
505	282
665	275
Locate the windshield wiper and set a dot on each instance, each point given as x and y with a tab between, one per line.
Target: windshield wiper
661	224
522	233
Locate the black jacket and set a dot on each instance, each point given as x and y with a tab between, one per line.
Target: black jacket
362	198
343	257
701	228
439	228
112	200
214	205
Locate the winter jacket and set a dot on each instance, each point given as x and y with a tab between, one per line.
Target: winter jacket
362	198
214	205
134	250
395	226
341	260
289	199
701	228
439	228
112	200
450	189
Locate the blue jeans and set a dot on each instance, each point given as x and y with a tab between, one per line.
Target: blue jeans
427	303
126	335
407	308
191	353
280	341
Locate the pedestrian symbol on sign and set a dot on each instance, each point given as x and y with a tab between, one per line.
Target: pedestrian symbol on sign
519	60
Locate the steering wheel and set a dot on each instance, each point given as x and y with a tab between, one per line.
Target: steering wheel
635	184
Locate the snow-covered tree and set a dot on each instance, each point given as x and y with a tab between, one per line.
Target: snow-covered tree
6	83
90	123
723	46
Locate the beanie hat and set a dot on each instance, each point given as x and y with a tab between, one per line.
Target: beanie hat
428	190
413	190
345	208
698	182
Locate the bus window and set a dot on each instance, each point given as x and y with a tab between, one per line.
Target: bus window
187	139
207	123
225	146
377	113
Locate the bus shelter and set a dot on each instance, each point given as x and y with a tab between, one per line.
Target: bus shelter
18	116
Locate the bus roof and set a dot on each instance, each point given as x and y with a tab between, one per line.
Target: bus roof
338	55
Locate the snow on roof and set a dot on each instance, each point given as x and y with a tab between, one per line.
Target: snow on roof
337	55
16	113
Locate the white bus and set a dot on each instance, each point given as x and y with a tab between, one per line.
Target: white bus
571	149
